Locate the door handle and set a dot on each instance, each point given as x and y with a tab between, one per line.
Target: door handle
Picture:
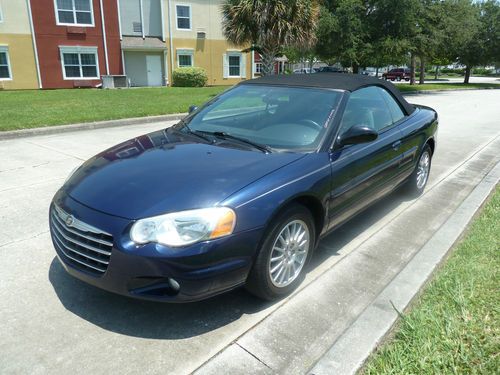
396	145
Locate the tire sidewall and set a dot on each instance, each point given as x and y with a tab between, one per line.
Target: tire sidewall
295	212
413	181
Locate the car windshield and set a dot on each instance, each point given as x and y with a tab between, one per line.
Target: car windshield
280	118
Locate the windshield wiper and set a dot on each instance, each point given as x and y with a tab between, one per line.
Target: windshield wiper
223	135
188	130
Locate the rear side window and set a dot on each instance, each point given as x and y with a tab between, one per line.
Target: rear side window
396	112
366	107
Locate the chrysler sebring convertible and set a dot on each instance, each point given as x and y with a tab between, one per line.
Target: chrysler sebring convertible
240	191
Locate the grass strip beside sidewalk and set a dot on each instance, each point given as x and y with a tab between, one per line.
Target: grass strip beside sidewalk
406	87
454	326
39	108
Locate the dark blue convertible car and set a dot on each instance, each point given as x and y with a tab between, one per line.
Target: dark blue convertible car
241	190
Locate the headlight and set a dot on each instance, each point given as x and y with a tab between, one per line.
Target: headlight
185	227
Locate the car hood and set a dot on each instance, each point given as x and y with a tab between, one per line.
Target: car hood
167	171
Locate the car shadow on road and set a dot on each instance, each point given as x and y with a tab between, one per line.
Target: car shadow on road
155	320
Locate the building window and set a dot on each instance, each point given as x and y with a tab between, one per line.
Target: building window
258	68
234	65
79	62
5	73
184	58
183	13
74	12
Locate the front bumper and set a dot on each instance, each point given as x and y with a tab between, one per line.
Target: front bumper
156	272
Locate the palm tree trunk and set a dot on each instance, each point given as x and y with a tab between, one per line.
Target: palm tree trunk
268	57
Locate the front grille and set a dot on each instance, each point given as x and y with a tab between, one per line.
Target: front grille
82	245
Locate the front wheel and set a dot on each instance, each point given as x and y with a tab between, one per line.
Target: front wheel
287	247
418	179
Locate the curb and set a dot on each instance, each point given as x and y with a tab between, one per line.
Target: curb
23	133
349	353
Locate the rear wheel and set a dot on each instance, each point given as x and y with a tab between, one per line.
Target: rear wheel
287	247
418	179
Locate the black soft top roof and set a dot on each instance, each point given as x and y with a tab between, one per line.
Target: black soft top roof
339	81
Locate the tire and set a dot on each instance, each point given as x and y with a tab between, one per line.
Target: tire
418	179
267	284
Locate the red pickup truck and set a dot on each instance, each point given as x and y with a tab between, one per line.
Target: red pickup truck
397	74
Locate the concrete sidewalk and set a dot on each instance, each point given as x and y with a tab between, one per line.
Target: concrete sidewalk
52	323
350	305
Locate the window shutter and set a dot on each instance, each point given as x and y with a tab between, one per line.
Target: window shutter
225	65
243	65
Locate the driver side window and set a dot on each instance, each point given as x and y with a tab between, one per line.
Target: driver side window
367	107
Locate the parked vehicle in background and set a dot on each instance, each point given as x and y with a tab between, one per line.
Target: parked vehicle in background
397	74
331	69
304	71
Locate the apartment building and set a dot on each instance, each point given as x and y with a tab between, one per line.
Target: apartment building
17	57
77	41
159	36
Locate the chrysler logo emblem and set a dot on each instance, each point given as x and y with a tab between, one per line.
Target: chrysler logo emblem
70	220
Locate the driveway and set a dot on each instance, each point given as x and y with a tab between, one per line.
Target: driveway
52	323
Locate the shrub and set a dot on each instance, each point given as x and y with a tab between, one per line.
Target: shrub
189	77
482	71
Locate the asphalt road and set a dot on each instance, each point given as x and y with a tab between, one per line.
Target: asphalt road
52	323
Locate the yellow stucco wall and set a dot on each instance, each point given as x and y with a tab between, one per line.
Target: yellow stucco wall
15	34
22	62
206	16
208	54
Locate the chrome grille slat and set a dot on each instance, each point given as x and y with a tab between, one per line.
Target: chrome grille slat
79	243
104	242
67	238
72	249
78	261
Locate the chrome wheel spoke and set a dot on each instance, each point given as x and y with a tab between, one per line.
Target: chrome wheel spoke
289	253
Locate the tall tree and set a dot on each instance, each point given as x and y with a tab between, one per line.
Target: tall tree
343	32
270	25
472	35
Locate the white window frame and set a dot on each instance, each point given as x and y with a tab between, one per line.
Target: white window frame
185	52
177	17
5	49
74	15
79	50
258	68
233	54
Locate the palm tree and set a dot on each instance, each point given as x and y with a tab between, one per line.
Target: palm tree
270	25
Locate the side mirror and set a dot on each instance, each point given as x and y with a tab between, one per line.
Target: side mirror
192	108
357	134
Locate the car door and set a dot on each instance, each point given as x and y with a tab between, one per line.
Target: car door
364	172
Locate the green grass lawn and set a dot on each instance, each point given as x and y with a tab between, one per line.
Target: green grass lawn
38	108
454	326
406	87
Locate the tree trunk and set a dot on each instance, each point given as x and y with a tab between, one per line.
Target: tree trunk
412	69
376	72
267	58
467	73
355	68
421	79
436	74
